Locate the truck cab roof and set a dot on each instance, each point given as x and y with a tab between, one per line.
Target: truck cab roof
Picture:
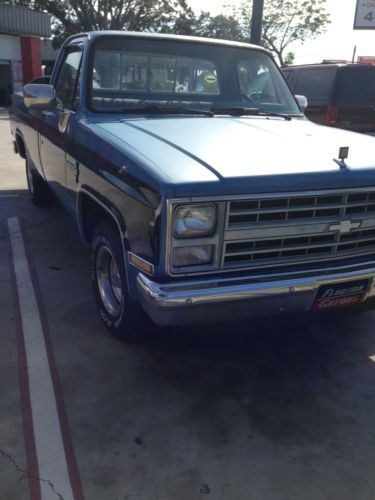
93	35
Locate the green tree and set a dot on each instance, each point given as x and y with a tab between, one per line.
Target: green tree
289	58
75	16
285	22
221	26
288	21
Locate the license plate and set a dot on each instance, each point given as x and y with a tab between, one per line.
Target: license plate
342	294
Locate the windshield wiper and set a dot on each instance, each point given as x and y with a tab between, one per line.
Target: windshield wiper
165	110
180	110
240	111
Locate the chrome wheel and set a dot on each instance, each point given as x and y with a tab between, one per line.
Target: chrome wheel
109	281
122	316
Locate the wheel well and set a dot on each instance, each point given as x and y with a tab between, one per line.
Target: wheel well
20	146
92	214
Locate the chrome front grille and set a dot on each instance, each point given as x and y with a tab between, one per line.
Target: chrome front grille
285	230
300	207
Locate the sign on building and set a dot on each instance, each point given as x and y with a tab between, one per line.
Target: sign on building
365	15
366	60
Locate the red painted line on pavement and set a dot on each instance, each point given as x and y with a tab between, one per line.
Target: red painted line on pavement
26	408
73	471
27	419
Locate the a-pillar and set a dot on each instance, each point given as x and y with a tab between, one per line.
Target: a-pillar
31	59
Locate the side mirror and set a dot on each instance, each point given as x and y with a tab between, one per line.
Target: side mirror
39	96
302	101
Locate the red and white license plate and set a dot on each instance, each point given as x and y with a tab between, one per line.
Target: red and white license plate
340	294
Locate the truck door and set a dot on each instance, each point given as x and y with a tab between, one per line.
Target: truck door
54	133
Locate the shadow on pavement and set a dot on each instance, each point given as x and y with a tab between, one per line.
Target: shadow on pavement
299	376
295	377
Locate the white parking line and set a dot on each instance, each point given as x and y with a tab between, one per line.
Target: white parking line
52	462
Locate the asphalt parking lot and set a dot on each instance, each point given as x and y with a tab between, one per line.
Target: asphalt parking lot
281	408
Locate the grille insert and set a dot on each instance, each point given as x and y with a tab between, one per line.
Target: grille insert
243	213
325	245
295	229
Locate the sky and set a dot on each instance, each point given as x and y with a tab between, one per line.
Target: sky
337	43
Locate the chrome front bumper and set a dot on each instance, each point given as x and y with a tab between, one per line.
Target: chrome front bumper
206	301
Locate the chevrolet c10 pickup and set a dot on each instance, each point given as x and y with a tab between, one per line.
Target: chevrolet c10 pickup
205	193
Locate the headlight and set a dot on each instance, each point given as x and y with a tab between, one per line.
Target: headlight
194	220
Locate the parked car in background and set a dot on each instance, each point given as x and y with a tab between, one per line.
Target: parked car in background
339	95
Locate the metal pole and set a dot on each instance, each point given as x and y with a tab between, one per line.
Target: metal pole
256	22
354	51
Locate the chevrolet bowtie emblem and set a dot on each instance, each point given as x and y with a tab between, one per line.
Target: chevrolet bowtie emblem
345	226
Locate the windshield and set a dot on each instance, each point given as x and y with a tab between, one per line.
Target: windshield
130	73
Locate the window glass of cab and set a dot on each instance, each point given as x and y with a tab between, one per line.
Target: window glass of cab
134	72
67	85
183	74
107	70
160	73
131	72
260	81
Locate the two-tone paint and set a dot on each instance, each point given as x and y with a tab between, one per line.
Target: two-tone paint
131	167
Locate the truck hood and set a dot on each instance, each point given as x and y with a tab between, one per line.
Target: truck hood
203	149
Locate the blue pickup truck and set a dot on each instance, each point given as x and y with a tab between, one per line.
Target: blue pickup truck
204	192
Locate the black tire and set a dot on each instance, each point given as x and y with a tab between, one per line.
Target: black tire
123	317
38	189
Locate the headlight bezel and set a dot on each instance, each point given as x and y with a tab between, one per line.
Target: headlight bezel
215	238
194	234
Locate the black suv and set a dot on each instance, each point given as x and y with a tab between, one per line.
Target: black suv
340	95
